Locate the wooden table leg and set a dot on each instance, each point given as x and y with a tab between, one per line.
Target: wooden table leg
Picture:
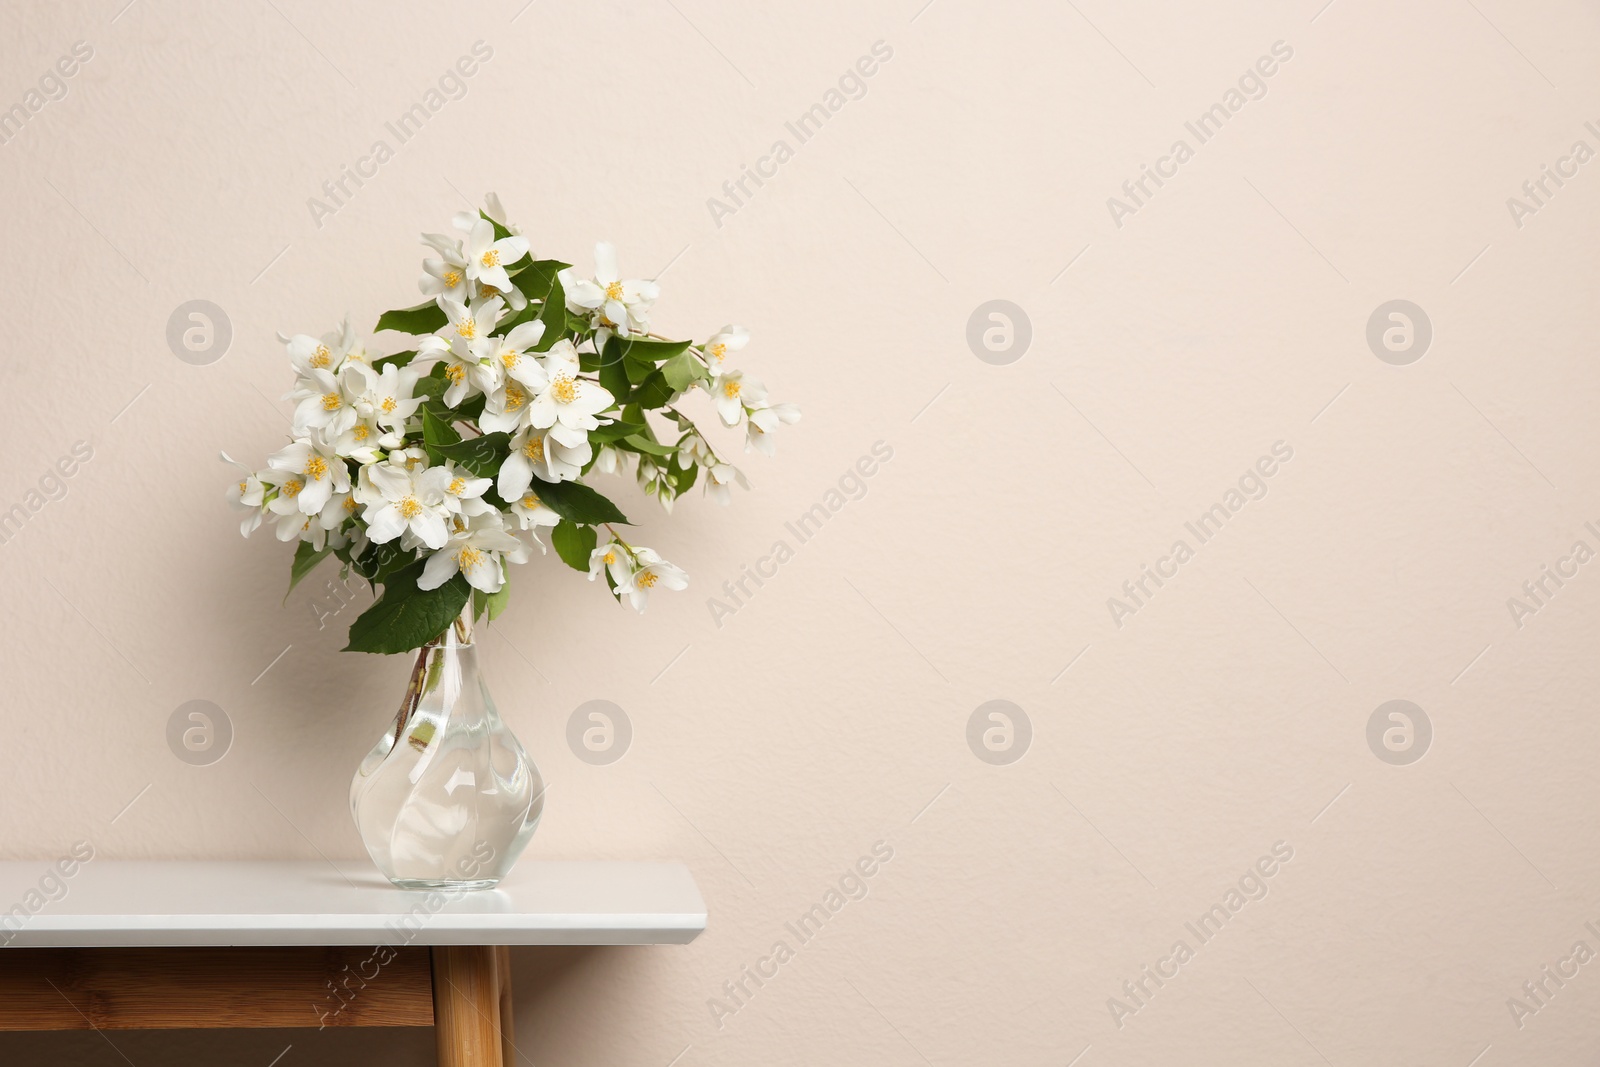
466	1006
508	1012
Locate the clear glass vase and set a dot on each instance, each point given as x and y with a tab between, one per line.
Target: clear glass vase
447	798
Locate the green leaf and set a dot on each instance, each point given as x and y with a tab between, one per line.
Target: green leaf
612	431
641	443
399	359
614	379
576	502
436	429
637	370
492	603
406	617
646	350
381	561
480	455
497	601
305	559
683	370
638	357
553	312
573	544
424	318
654	392
547	302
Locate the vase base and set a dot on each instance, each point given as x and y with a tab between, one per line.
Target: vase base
447	884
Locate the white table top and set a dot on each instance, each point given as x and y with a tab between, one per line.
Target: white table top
117	903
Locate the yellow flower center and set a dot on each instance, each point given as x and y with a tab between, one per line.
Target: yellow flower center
291	487
490	258
534	449
564	389
388	405
730	389
457	486
467	327
321	357
242	487
614	291
452	278
410	507
331	401
514	396
510	357
488	290
718	351
360	431
645	579
468	557
316	466
609	558
455	372
530	501
349	504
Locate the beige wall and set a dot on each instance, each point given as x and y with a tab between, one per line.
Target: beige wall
1226	313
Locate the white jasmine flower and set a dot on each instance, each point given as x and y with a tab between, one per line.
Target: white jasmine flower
535	453
650	571
291	521
733	393
496	211
463	493
533	513
463	347
319	469
562	354
355	350
764	418
614	303
447	275
362	441
408	500
522	376
728	339
323	402
383	397
487	259
248	494
612	557
611	460
339	507
308	354
568	404
476	548
695	450
719	476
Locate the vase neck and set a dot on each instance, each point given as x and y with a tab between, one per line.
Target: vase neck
461	632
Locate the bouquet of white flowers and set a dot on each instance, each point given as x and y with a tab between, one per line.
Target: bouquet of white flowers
426	471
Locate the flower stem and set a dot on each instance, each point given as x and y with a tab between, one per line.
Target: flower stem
413	693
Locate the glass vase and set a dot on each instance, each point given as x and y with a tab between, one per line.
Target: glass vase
447	798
